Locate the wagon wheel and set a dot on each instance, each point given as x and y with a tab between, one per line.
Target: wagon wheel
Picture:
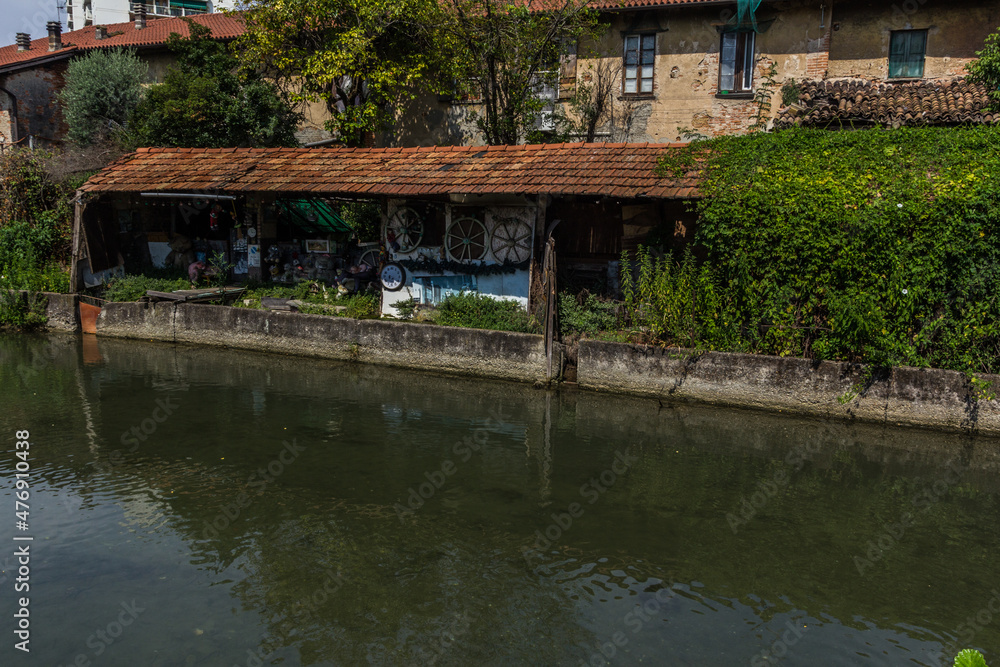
371	257
511	241
406	227
466	239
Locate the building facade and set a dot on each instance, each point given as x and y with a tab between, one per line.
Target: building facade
680	69
83	13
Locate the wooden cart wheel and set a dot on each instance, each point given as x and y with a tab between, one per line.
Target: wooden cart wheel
511	241
371	257
466	239
406	228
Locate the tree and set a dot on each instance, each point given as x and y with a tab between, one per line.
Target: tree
206	100
101	91
986	68
362	58
508	50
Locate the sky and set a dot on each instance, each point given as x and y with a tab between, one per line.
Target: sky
28	16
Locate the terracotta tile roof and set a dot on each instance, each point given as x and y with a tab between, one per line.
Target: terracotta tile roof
936	102
618	170
223	26
645	4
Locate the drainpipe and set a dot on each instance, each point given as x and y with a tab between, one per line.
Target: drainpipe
13	114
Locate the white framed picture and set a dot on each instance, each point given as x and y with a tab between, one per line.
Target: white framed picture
317	245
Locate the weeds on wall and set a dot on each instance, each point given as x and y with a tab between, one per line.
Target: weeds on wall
875	246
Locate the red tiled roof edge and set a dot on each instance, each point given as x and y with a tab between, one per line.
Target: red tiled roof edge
624	170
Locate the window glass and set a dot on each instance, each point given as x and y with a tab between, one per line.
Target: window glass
639	62
907	49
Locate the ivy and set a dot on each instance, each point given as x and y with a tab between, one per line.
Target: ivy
874	246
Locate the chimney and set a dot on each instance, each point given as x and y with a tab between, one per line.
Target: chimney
55	35
101	32
23	41
139	9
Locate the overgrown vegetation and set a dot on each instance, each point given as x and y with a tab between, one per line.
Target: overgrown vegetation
478	311
133	287
875	246
34	236
985	68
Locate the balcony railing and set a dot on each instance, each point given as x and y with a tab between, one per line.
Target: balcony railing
176	9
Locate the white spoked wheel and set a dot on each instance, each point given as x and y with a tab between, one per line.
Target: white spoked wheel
511	241
370	257
406	228
467	239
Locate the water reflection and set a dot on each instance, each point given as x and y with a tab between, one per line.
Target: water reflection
271	510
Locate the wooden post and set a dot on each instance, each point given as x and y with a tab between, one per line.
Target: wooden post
74	267
551	302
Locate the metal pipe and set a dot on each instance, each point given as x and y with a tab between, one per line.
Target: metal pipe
317	144
186	195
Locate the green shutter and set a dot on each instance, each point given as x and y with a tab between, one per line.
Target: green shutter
906	54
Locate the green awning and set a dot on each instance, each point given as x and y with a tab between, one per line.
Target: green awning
190	4
313	215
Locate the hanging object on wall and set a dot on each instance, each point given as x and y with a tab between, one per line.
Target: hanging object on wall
466	239
393	277
511	240
405	230
746	12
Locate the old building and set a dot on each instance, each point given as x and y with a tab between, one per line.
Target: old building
32	71
683	68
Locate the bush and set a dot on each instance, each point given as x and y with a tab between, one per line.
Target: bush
476	311
133	287
26	188
22	310
586	315
102	89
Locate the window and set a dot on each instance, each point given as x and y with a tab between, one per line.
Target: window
906	54
546	88
736	60
640	51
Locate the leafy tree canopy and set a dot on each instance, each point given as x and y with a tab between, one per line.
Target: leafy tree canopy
986	68
102	88
508	50
361	57
366	58
207	101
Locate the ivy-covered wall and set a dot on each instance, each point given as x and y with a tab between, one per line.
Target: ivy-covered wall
880	246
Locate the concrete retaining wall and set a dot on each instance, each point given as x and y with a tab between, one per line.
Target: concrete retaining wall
492	354
903	396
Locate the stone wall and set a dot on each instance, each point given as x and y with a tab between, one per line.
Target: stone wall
900	396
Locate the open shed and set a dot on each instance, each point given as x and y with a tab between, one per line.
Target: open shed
452	218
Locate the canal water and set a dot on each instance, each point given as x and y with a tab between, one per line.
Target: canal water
217	507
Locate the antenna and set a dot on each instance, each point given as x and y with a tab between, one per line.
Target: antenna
60	9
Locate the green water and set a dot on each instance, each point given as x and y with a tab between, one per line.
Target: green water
216	507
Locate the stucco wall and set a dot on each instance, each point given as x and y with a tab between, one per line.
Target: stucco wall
955	31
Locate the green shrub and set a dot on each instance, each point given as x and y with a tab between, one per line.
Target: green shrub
586	315
132	287
476	311
22	310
